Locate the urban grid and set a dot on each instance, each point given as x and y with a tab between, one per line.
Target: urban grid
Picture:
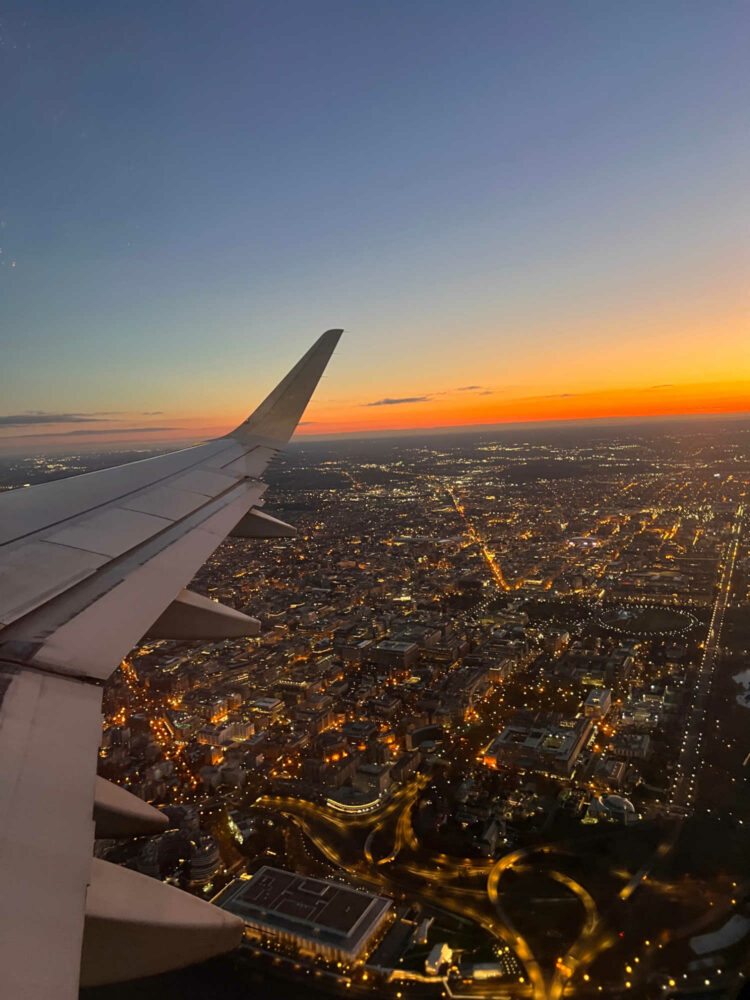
491	739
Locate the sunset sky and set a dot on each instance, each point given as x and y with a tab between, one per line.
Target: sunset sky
517	211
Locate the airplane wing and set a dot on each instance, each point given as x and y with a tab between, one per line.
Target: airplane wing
88	566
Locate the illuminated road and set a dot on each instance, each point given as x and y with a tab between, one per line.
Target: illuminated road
581	951
519	943
345	822
466	887
489	557
444	882
438	877
162	733
689	761
404	835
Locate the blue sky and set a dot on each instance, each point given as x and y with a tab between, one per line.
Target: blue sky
191	192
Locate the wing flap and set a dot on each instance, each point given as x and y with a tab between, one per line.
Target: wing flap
253	463
37	572
258	524
166	501
208	482
192	616
110	532
118	813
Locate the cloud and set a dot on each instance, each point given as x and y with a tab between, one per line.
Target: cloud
487	392
561	395
38	417
102	430
31	417
468	388
664	385
397	402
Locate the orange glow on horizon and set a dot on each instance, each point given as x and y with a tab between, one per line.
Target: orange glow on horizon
459	411
451	409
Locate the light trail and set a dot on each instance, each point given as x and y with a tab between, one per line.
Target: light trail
684	782
519	943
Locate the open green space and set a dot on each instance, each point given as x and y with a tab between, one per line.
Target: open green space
654	620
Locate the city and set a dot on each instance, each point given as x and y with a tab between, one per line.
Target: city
375	500
491	671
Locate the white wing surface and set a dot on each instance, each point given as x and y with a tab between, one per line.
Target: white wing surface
88	566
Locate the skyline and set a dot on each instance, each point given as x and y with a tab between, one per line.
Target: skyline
544	203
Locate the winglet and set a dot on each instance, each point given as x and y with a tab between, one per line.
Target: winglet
277	416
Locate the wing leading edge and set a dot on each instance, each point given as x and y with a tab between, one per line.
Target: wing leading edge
88	565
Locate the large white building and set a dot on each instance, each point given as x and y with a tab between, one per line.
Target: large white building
310	915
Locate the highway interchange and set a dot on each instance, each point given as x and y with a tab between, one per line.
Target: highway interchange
470	888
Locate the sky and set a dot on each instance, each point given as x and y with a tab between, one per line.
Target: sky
517	211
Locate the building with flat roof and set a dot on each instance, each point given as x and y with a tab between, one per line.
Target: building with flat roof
396	655
540	743
310	915
598	703
267	706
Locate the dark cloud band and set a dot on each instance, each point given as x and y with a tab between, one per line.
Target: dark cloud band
397	402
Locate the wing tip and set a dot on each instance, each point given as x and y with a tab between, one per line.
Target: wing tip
328	341
275	420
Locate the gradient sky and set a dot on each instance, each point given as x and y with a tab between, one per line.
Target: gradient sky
517	211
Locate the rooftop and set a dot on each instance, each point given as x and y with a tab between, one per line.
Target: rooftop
311	908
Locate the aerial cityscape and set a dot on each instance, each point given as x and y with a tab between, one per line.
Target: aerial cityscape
374	500
492	669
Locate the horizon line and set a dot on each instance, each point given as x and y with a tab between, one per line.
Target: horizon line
613	421
17	450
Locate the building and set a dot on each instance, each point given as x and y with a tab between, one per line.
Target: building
556	640
355	652
631	746
357	733
396	655
540	743
440	956
372	779
267	706
611	809
205	860
354	802
311	916
609	773
598	703
406	765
